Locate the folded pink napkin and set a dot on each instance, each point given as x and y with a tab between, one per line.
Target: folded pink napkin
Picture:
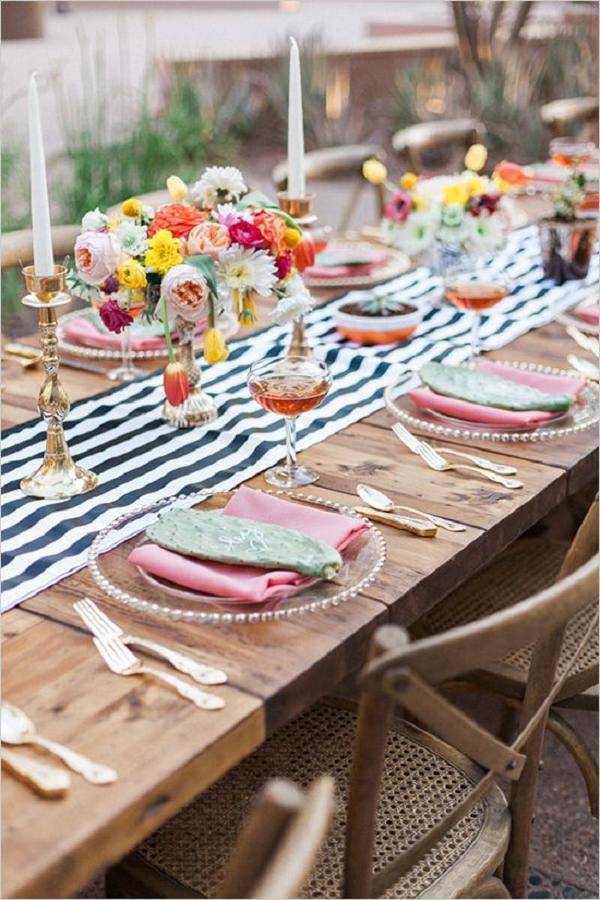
244	582
490	415
81	330
588	312
342	267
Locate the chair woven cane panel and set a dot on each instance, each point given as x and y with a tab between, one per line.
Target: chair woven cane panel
528	566
419	787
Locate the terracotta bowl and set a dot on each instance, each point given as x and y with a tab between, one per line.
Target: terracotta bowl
376	329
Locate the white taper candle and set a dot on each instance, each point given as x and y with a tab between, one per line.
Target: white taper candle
43	260
296	184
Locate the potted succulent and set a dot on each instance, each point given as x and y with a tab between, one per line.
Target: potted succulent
376	320
566	239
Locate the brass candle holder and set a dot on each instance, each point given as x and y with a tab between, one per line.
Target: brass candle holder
199	408
58	477
300	208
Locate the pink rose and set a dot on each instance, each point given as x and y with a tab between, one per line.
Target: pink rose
246	234
97	256
186	291
208	237
398	208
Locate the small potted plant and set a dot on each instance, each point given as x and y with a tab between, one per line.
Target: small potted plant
566	239
377	320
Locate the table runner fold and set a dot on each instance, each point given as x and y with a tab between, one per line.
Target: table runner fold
140	459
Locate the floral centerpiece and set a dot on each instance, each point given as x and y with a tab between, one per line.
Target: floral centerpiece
464	212
206	255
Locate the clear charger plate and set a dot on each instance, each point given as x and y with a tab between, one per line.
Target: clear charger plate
84	350
397	264
585	413
124	582
566	316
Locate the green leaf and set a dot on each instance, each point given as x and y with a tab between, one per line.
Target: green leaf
206	265
257	199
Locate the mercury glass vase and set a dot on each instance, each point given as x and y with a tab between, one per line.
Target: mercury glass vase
199	408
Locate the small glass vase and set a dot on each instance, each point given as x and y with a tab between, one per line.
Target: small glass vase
199	408
444	257
126	371
567	248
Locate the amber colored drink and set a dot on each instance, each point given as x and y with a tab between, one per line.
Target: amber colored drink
475	296
288	395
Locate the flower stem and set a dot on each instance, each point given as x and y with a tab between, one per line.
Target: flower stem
167	329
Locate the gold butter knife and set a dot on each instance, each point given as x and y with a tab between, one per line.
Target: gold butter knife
415	526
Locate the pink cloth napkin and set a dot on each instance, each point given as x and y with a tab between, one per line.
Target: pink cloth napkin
490	415
245	582
343	271
83	331
589	312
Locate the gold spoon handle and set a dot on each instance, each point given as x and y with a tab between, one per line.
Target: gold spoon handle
87	768
416	526
47	781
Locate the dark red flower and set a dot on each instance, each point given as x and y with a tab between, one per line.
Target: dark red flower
115	318
176	384
484	202
283	264
111	285
246	234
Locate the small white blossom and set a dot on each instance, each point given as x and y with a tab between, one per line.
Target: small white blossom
484	233
132	238
242	269
294	303
94	220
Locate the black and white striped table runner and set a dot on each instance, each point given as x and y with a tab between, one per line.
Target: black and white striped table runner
138	458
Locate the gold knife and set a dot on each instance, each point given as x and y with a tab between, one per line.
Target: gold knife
416	526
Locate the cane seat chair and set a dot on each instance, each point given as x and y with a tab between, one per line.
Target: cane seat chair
560	114
420	814
339	162
527	566
410	143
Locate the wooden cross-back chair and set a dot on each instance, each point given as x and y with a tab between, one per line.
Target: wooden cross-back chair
410	143
560	114
530	564
422	813
339	162
272	858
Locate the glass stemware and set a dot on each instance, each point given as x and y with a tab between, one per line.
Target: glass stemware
127	371
289	385
566	151
474	290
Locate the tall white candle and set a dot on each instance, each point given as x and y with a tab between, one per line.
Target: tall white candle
43	260
296	185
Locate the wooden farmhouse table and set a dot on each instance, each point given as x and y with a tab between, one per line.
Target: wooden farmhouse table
164	749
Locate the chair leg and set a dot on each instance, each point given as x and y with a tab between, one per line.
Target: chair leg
580	753
490	889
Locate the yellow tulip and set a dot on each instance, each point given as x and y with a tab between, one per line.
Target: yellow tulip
476	157
247	316
455	193
132	208
215	349
292	237
176	187
374	171
475	186
408	181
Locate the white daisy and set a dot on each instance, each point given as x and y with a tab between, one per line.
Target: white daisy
247	270
416	234
217	184
484	233
294	303
132	238
94	220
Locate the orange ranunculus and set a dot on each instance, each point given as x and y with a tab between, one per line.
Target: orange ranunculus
273	228
512	173
208	237
177	218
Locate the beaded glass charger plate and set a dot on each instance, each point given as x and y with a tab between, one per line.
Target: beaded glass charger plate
396	264
80	349
133	587
585	412
566	316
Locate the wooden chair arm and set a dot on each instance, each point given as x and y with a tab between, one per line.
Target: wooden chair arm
17	246
331	162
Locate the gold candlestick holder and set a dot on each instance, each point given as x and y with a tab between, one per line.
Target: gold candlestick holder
301	210
58	477
199	408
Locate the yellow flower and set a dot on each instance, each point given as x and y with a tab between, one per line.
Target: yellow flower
176	187
476	157
420	202
292	237
455	193
114	222
475	186
131	275
163	252
215	349
500	184
408	181
132	208
374	171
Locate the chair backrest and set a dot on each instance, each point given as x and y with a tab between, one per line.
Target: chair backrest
584	544
559	114
407	674
17	246
409	143
338	162
279	841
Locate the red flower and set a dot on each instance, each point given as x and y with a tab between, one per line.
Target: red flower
485	202
115	318
178	218
304	254
176	384
283	264
246	234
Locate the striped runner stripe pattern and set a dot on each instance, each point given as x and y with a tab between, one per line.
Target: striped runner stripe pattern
138	458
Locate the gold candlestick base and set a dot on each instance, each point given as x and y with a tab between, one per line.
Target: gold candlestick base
301	209
58	477
199	408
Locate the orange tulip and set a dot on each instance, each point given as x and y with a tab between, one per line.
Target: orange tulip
176	384
304	253
513	173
